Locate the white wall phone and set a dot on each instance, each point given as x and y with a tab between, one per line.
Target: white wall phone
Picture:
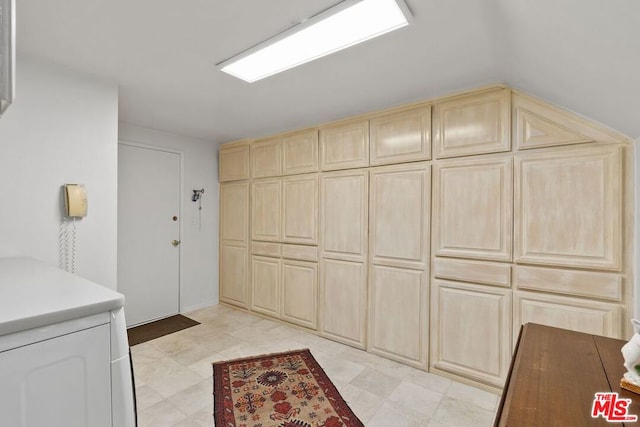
75	200
75	206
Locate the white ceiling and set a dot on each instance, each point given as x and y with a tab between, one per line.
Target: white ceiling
581	54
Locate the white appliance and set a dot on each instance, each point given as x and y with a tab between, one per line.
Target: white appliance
64	352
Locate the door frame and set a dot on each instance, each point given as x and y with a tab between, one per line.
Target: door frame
180	153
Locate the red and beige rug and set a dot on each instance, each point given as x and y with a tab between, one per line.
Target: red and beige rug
284	390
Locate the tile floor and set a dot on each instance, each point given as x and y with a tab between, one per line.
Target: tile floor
174	383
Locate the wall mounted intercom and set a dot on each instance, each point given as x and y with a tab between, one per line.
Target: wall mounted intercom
75	200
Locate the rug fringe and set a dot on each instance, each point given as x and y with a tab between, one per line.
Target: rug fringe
219	362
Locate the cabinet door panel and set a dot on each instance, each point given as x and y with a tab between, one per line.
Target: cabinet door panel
233	162
399	208
300	152
300	293
344	145
569	207
300	200
403	136
473	208
343	295
473	124
234	214
471	331
265	282
343	214
266	210
398	322
576	314
234	280
266	157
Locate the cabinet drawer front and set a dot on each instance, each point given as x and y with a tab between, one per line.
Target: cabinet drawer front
490	273
578	283
301	252
591	317
266	249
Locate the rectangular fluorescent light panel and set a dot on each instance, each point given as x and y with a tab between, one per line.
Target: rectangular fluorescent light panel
344	25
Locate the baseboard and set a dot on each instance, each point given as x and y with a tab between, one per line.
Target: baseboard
198	306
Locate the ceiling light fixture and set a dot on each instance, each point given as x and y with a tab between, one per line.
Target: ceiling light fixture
343	25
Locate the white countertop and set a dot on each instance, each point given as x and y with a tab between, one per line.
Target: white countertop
34	294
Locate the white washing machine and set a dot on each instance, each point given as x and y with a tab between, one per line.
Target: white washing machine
64	352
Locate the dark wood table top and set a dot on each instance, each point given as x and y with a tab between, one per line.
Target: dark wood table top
554	376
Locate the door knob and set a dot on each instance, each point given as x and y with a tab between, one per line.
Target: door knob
175	242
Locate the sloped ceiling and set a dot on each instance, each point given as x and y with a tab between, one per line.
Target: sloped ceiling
583	55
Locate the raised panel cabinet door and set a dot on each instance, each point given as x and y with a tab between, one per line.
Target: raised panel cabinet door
399	212
344	201
576	314
473	206
471	331
300	201
538	124
300	152
266	157
233	162
569	207
266	210
398	321
478	123
265	284
343	300
300	293
344	145
234	214
234	275
403	136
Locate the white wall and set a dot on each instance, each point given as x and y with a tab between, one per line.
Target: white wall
61	129
199	247
636	228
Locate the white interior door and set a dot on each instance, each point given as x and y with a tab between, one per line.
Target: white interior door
148	232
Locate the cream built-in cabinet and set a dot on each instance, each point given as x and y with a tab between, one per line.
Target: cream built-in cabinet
234	243
399	212
343	266
429	233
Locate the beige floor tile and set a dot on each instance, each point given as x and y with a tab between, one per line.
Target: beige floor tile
457	413
480	398
391	414
376	382
174	375
416	398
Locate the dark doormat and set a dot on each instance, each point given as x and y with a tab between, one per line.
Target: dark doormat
159	328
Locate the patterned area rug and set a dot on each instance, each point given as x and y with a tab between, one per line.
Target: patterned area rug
281	390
